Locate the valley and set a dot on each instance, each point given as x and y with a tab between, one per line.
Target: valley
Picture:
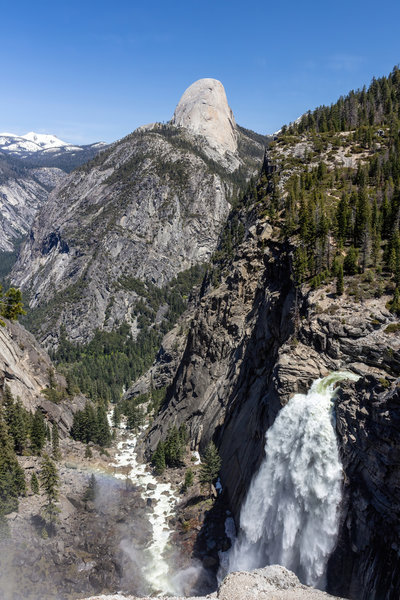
213	359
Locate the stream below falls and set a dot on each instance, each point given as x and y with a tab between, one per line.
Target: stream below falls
156	569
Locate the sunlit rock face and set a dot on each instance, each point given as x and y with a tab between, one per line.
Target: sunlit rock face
204	110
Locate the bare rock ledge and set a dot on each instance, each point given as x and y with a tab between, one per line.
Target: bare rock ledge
270	583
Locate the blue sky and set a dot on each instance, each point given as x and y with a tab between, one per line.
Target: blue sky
96	70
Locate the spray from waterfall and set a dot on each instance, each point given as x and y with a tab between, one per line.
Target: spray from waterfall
290	514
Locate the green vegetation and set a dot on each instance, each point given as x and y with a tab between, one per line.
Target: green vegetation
112	360
10	304
38	432
91	490
12	480
34	483
50	483
392	328
170	452
158	459
189	480
91	425
27	431
54	392
341	218
55	442
211	464
7	261
358	111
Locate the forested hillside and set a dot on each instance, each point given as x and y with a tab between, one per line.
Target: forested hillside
334	179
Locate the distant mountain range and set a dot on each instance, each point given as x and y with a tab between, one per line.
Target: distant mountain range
31	142
30	167
46	150
123	226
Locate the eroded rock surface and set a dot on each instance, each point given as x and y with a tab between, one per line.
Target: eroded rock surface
147	208
271	583
204	110
252	344
24	368
368	552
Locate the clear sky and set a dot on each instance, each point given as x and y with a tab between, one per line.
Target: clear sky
95	70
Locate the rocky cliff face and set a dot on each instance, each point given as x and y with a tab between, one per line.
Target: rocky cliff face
203	109
22	192
368	555
26	179
254	342
24	368
149	207
23	364
252	345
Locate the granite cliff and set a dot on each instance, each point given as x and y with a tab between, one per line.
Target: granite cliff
262	331
149	207
26	179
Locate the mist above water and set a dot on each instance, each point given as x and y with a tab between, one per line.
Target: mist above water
290	514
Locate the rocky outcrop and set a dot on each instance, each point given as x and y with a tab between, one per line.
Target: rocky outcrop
367	556
161	373
149	207
22	192
24	368
203	110
24	365
25	183
271	583
252	344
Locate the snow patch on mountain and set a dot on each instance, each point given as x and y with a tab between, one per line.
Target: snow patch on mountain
30	142
20	145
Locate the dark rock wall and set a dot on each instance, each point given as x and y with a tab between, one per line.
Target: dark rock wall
251	345
366	562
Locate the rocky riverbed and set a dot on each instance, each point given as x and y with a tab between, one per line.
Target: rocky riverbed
87	552
271	583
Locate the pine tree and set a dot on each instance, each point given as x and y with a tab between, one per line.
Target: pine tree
135	417
12	479
116	416
15	416
173	448
158	459
350	263
395	304
52	392
38	432
55	442
11	304
103	428
339	281
50	482
91	490
189	479
210	466
71	386
34	483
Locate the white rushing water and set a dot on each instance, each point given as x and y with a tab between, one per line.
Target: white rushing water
156	568
290	514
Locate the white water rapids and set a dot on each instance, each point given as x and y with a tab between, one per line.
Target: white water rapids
290	514
156	567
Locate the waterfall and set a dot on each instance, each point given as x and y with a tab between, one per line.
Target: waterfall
290	514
